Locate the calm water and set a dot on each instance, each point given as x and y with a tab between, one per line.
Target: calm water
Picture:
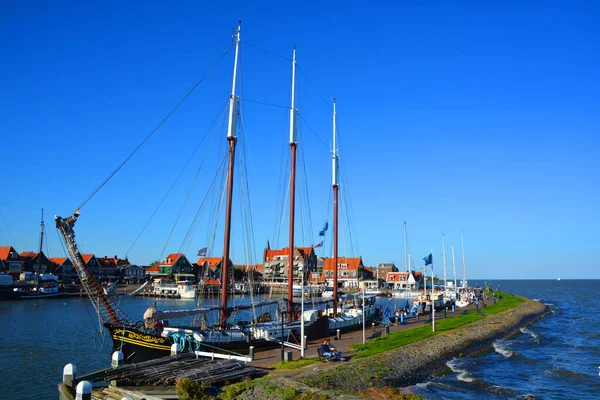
555	358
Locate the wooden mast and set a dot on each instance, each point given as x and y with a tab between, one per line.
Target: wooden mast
334	183
293	148
231	138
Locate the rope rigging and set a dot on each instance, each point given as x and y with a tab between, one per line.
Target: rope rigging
178	177
153	131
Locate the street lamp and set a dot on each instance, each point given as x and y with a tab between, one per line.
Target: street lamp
301	268
283	313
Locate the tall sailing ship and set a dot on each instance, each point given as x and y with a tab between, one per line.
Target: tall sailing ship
152	337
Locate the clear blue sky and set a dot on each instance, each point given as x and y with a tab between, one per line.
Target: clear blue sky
474	116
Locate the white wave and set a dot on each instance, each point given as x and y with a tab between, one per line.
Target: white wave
533	335
462	375
501	349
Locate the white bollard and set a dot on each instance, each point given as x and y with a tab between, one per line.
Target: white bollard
175	349
117	359
83	391
69	374
251	353
127	398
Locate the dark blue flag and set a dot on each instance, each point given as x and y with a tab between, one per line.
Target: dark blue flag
318	245
322	231
429	259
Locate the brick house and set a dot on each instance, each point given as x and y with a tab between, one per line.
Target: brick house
350	271
275	263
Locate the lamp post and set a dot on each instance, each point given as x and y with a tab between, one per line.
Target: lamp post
283	313
301	268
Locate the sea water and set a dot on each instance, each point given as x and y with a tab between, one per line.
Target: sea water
554	358
557	357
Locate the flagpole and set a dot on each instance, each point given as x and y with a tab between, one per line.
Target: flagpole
431	273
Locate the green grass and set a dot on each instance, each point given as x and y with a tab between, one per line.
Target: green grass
295	364
399	339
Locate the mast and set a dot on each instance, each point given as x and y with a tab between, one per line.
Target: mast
444	257
293	148
231	138
406	262
335	184
39	261
462	243
454	268
410	287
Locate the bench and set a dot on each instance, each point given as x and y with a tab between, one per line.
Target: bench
322	358
375	335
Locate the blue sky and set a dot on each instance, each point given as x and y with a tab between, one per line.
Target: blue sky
453	116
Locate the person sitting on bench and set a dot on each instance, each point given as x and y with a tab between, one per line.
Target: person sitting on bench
330	352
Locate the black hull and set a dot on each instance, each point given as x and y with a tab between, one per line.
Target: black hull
138	345
9	295
43	296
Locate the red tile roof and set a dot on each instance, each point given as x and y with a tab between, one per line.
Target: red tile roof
212	261
107	262
154	268
58	260
271	254
5	252
353	263
171	259
27	255
87	257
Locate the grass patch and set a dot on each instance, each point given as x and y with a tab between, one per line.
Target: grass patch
508	301
403	338
295	364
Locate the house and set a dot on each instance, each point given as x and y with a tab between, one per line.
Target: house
402	280
133	274
275	263
63	268
176	263
92	263
31	259
109	269
381	271
350	271
10	261
209	267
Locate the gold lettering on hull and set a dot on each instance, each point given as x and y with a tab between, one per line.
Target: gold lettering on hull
118	334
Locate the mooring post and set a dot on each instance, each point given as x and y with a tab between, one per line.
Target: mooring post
83	391
251	353
69	374
338	334
373	326
387	329
117	359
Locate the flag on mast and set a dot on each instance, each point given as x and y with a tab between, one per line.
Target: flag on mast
428	260
318	245
202	251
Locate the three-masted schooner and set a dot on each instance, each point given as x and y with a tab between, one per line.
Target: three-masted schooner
148	339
